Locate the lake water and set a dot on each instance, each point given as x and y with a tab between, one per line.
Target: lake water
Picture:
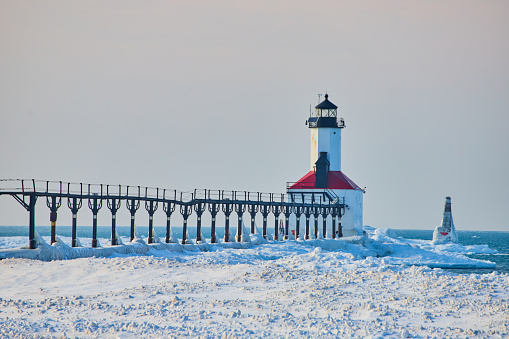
495	240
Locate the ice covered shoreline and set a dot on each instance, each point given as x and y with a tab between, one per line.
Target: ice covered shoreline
377	243
320	288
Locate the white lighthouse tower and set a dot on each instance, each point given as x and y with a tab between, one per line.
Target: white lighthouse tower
325	179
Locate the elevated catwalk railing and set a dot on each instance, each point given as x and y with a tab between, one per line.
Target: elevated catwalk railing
27	192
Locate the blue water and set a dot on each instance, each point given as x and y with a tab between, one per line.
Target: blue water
495	240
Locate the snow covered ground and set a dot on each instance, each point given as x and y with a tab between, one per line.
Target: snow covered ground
375	286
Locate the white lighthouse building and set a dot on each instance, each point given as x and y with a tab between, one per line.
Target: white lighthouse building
325	180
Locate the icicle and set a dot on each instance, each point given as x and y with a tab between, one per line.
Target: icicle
39	240
155	237
137	237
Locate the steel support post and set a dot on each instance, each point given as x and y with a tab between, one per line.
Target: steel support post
276	210
213	209
199	208
287	226
95	206
113	227
240	209
198	226
186	211
53	206
227	228
213	239
113	205
253	216
227	209
324	221
74	209
308	214
265	213
94	228
32	242
184	229
168	228
276	227
132	205
334	213
53	219
252	209
169	208
150	228
53	216
74	205
315	221
133	228
287	211
53	236
324	226
151	208
298	213
238	236
333	227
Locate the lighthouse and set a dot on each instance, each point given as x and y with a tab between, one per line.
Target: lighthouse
446	232
325	180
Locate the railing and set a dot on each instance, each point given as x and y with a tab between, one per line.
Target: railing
198	200
302	185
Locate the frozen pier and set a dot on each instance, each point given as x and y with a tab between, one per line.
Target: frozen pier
97	196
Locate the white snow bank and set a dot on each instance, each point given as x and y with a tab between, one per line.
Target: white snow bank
271	290
323	288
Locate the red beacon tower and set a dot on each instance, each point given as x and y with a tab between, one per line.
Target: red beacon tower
325	179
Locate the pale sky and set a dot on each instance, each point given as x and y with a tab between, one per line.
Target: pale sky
214	94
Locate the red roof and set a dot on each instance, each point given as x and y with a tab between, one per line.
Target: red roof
335	180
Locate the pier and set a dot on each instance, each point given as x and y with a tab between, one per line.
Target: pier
112	197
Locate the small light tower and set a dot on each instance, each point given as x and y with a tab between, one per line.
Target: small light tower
325	180
446	232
